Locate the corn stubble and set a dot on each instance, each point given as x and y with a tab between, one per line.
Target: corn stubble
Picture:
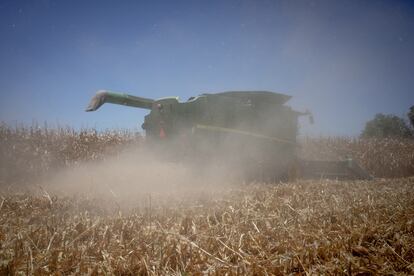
303	227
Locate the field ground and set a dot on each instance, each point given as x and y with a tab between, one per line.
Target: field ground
98	215
306	227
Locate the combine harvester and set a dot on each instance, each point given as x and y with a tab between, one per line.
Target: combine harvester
249	133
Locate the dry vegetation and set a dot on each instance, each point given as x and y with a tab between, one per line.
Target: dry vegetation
386	158
30	152
305	227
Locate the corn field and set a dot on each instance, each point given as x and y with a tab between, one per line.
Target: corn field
28	152
299	228
387	157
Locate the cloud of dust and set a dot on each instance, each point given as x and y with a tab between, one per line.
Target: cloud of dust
134	177
206	164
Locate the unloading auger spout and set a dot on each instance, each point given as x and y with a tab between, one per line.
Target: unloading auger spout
116	98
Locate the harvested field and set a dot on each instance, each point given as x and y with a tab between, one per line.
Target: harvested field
324	227
97	214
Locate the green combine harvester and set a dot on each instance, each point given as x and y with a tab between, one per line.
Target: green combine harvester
249	133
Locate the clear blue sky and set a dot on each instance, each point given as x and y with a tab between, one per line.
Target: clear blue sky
343	60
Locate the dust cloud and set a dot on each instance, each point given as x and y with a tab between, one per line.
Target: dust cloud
137	177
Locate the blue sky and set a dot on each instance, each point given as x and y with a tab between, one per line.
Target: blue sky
343	60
